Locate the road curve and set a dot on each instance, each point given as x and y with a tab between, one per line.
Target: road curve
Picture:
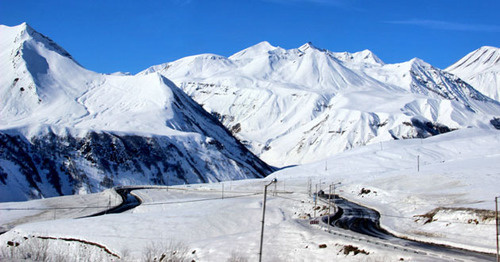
129	201
363	220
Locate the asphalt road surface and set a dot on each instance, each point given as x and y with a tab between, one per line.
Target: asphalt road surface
129	201
363	220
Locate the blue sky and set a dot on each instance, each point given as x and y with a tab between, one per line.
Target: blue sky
112	35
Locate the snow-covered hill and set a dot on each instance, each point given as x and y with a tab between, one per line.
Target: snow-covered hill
481	69
65	129
300	105
448	200
453	178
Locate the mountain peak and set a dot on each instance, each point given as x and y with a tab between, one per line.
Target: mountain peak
30	30
308	46
481	69
48	98
21	29
252	51
418	62
45	40
364	57
489	48
369	57
15	33
264	45
483	57
22	26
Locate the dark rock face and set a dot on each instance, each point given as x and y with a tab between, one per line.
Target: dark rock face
54	165
426	129
495	122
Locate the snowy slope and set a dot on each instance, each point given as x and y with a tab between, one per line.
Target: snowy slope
481	69
455	174
211	229
65	129
299	105
364	58
458	173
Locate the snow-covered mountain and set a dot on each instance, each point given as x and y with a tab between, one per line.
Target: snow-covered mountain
65	129
448	200
481	69
300	105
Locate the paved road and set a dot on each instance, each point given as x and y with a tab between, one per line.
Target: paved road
129	201
360	219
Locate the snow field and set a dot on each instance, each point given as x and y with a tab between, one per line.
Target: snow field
73	206
458	174
214	228
458	171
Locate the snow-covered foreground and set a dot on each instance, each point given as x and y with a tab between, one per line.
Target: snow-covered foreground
73	206
458	172
212	228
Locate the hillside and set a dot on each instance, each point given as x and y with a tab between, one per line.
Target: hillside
299	105
453	190
481	69
66	130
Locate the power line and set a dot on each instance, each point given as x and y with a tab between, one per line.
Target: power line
237	196
143	204
196	200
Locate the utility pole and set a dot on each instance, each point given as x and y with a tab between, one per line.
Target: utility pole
309	186
335	206
263	218
329	206
418	163
497	227
315	199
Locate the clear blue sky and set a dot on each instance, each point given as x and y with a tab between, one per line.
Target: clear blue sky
127	35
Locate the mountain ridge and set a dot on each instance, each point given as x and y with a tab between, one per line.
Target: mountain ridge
247	91
65	129
480	68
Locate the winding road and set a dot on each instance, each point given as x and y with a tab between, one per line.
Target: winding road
363	220
129	201
352	217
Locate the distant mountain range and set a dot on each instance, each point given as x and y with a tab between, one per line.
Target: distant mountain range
66	130
300	105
